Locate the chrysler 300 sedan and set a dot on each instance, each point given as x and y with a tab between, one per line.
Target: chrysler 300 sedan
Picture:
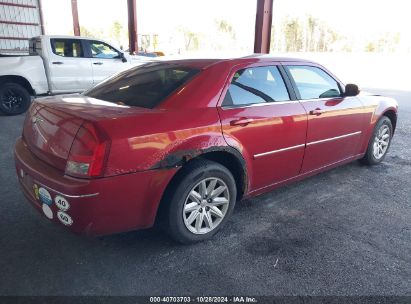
179	142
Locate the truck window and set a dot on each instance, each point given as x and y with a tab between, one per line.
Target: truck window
34	46
143	86
67	47
102	50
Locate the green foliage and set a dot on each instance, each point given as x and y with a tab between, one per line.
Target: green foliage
303	35
84	31
224	27
117	32
370	47
310	34
191	39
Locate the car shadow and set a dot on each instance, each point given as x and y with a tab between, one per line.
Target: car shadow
156	238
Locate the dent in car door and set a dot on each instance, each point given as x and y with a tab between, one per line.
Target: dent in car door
335	123
260	120
69	69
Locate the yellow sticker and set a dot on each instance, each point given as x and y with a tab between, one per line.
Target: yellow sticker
36	191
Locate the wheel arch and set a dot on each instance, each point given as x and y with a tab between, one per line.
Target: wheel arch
19	80
226	156
235	163
392	115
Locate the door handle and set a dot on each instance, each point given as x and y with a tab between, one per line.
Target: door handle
241	122
57	62
317	112
97	63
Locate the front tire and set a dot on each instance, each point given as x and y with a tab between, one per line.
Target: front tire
200	203
14	99
379	143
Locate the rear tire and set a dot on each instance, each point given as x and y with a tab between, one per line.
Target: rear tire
14	99
379	143
199	202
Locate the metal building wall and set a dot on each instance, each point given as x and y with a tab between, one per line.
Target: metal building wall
19	21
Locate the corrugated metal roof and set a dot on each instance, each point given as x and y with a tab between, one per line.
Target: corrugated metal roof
19	21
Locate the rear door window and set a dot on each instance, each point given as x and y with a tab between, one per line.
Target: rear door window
313	82
67	47
143	86
34	46
256	85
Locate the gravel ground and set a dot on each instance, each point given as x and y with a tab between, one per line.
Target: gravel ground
343	232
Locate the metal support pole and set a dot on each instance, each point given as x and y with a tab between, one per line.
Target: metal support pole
132	26
42	30
76	24
263	21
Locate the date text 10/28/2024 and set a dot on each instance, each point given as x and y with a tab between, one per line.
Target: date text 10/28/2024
203	299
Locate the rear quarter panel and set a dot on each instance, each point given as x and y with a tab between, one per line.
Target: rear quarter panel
185	125
161	139
28	67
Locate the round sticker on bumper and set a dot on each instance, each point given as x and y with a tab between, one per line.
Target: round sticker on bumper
61	203
64	218
45	196
47	211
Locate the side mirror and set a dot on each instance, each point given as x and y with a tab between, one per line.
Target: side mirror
351	90
123	58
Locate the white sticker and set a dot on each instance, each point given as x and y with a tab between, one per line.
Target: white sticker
45	196
21	173
61	203
64	218
47	211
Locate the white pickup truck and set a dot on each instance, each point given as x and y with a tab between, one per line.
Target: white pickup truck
56	65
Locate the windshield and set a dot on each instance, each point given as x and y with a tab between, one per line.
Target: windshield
143	86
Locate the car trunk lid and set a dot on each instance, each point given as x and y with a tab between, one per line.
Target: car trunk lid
52	123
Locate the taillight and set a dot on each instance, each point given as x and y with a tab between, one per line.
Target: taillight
88	153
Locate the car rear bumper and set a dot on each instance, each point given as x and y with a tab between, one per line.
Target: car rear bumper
91	206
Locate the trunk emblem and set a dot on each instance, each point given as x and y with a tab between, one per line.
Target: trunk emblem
36	119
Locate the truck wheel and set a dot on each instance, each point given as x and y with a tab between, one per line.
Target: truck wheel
379	143
14	99
200	203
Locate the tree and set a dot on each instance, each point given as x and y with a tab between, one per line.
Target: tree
306	34
117	32
224	27
292	31
312	24
191	39
87	32
370	47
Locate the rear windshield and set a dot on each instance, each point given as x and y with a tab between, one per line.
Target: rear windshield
143	86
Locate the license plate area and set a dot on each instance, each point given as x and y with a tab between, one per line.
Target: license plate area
30	187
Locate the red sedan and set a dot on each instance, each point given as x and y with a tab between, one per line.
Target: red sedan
179	142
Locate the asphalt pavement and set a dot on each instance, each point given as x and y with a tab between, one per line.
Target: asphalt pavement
343	232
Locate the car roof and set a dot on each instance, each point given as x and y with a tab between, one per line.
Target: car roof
203	63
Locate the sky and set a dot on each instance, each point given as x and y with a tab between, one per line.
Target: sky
351	16
357	18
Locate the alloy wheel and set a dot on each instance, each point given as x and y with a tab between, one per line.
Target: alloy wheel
11	100
206	205
381	141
